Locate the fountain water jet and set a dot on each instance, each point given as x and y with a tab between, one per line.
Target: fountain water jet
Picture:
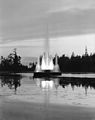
45	67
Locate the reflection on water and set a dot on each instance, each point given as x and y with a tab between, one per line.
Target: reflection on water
44	84
79	91
11	81
78	82
66	81
53	90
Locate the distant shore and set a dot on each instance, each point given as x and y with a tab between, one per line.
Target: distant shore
80	75
7	73
65	74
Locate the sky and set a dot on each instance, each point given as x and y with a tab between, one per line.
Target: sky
24	23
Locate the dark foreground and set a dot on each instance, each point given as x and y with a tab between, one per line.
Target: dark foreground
13	110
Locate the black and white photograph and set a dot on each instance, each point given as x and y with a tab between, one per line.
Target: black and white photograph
47	59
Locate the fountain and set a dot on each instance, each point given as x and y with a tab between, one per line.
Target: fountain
45	66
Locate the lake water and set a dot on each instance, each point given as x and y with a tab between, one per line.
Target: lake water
68	90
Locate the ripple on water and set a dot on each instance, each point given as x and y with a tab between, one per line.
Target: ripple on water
30	92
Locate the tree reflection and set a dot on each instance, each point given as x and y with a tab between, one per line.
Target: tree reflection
13	82
65	81
78	82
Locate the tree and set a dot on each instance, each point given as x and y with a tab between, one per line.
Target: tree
11	63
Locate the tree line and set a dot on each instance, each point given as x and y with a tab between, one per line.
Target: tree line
84	63
12	63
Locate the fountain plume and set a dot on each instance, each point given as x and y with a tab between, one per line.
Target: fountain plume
46	63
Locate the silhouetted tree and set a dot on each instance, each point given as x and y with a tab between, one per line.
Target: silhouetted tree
84	63
12	63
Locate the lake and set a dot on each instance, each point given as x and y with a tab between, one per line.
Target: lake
69	89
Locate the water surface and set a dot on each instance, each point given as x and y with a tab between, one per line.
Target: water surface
64	90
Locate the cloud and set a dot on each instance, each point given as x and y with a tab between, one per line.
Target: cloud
61	45
64	5
24	43
23	19
62	23
68	44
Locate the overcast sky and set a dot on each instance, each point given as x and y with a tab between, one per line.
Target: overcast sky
23	24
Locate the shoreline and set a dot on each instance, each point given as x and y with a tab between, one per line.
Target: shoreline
75	75
78	75
12	73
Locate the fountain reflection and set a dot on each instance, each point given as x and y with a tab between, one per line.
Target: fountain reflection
47	84
73	82
13	82
44	83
